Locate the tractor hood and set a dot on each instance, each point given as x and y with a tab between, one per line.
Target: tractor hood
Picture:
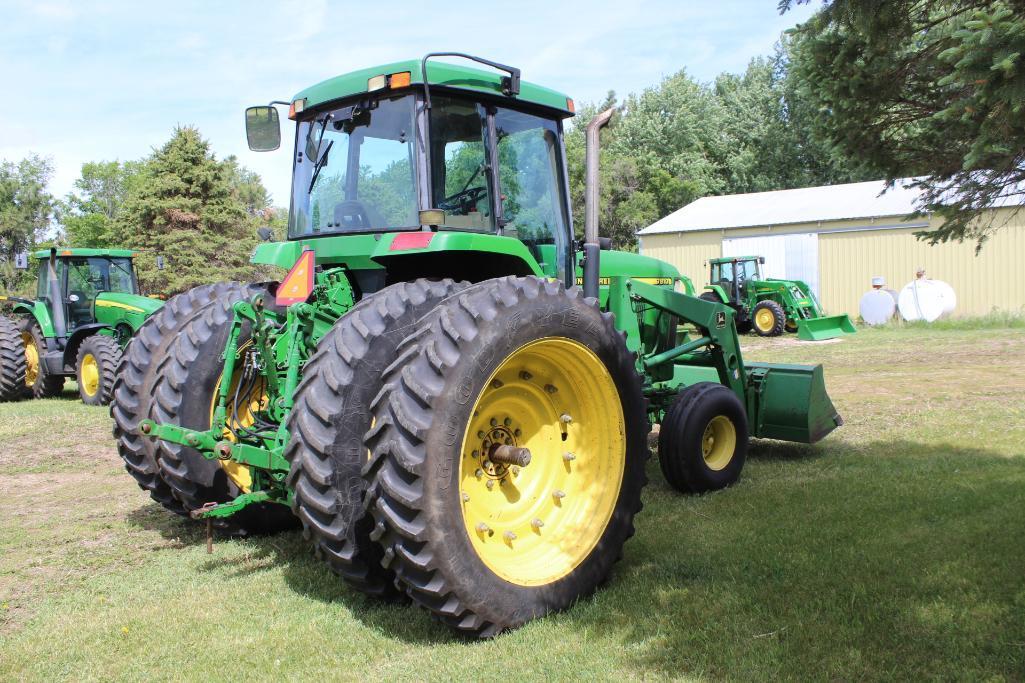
114	309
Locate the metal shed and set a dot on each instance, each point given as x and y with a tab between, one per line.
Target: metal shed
837	238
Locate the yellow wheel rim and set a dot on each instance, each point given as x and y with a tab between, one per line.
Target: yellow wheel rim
90	375
31	359
719	442
253	403
765	320
533	525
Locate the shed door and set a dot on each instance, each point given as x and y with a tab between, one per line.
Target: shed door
790	257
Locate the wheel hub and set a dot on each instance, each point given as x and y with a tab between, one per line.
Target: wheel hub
542	461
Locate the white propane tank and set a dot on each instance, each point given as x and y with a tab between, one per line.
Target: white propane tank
878	305
949	297
921	299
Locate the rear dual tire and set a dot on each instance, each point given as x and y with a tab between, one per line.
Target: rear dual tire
332	415
500	347
12	361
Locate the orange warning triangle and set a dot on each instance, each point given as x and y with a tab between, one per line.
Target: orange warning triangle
298	284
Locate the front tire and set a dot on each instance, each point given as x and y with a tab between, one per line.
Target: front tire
768	319
332	415
487	545
96	369
702	442
12	361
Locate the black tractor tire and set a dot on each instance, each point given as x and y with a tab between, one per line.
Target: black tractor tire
332	415
742	322
106	354
423	431
770	327
701	418
186	378
45	384
134	384
12	361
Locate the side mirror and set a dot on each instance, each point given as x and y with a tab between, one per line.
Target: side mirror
265	234
263	129
160	262
605	243
761	260
21	261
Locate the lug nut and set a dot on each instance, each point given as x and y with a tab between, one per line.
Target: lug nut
568	457
558	494
536	523
481	435
517	432
509	536
525	376
496	384
494	422
566	418
507	421
466	497
475	454
483	528
515	469
479	473
490	484
550	388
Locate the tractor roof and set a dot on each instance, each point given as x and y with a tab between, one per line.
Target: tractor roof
117	253
731	259
441	74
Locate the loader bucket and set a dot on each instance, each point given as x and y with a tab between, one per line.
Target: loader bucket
826	327
790	403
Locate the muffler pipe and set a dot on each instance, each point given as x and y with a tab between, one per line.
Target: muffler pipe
60	328
592	249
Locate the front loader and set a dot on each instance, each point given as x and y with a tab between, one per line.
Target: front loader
770	306
87	307
427	391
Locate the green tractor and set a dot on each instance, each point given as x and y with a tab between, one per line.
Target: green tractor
98	308
427	391
768	305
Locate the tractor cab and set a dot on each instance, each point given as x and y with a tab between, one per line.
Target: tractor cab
386	150
82	276
734	275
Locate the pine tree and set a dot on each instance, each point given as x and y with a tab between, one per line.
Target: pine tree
186	208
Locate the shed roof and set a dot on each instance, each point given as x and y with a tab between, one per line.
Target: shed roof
850	201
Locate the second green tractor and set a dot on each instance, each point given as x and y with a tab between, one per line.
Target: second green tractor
770	306
427	392
87	307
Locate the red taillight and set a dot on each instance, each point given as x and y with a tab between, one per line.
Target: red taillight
411	240
298	284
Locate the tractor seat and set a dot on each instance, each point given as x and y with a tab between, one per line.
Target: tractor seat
80	312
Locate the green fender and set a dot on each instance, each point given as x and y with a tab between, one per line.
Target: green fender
38	311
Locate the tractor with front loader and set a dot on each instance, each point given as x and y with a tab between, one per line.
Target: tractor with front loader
448	416
87	307
770	306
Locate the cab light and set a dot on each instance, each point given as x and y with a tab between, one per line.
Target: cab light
298	284
570	106
411	240
400	80
377	83
296	107
66	252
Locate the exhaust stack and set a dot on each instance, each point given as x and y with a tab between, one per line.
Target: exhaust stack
592	249
60	327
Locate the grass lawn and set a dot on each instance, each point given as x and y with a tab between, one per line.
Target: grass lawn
894	549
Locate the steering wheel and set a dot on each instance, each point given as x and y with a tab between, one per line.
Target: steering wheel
351	215
464	201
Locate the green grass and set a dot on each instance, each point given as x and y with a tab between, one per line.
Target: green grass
892	550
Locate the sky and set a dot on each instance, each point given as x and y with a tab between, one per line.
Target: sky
95	81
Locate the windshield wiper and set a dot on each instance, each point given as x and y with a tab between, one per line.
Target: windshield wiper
319	165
